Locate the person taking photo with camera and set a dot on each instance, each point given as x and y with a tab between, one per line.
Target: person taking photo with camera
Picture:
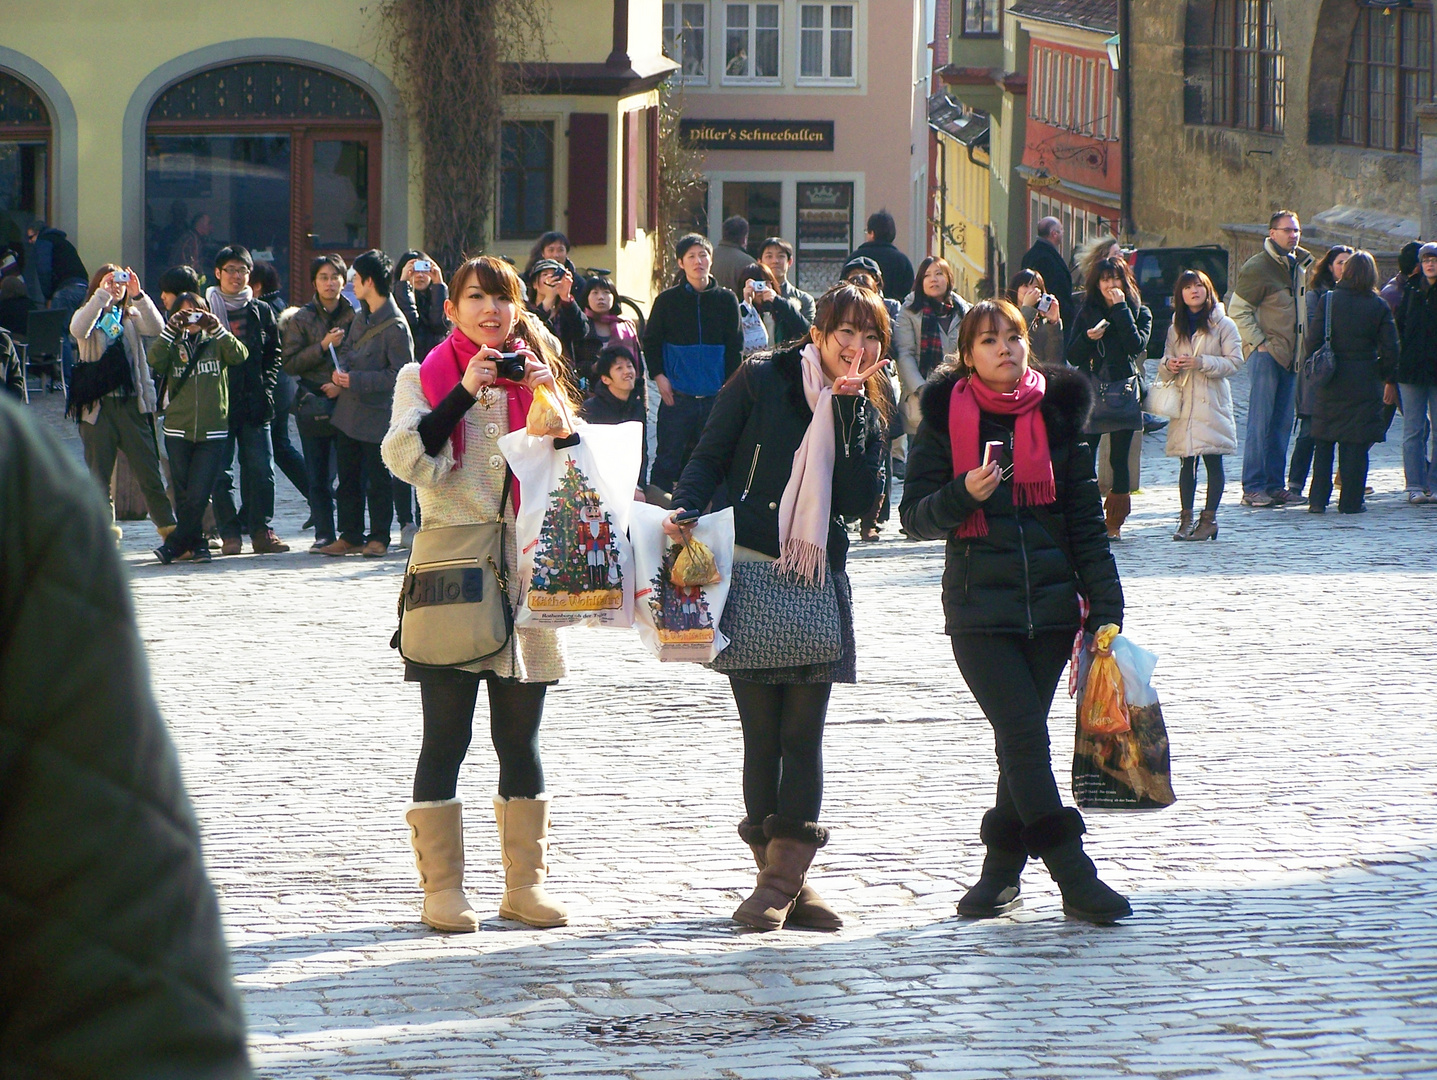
449	414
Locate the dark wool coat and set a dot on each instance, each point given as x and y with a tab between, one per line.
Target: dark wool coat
1057	278
1122	351
112	958
1364	342
757	422
1018	578
1417	321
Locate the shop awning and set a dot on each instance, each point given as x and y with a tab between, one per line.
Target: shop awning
947	117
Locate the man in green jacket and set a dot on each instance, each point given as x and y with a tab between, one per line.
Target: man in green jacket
191	356
1269	306
113	964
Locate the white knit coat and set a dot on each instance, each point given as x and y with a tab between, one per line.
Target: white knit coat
465	495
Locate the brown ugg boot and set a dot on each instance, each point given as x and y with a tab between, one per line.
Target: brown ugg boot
436	831
790	851
524	840
1115	511
810	911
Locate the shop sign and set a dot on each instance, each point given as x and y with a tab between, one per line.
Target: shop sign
757	134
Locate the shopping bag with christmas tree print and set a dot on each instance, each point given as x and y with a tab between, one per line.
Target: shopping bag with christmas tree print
575	561
679	622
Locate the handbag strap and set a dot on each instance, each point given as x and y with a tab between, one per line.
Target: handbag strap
1327	334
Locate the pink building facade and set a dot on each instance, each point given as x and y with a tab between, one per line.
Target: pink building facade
811	116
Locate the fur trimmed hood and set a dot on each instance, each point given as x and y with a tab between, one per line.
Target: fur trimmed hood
1066	403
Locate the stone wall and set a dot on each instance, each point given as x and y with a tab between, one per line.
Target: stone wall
1189	179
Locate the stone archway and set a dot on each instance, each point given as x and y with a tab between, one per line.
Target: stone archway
64	135
1327	68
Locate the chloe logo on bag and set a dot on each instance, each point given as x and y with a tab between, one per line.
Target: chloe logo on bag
429	588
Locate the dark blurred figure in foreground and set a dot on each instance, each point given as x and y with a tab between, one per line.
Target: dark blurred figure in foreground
112	960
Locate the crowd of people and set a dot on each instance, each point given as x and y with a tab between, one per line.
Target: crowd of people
1007	420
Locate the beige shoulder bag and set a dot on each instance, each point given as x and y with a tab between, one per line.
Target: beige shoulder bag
454	605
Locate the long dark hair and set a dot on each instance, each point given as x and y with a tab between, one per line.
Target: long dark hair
1113	268
863	308
1322	276
1187	322
1360	275
919	295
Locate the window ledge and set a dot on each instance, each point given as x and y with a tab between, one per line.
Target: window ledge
814	81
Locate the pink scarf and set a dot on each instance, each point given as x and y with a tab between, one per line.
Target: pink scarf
803	513
444	367
1033	483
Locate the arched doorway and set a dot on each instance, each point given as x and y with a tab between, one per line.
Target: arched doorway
25	154
280	157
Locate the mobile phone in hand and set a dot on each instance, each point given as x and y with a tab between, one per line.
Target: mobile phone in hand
688	517
998	451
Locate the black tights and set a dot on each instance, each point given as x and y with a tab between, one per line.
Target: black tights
1013	679
1187	482
515	710
1120	445
782	748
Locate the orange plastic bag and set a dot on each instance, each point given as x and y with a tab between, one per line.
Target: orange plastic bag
547	416
1104	711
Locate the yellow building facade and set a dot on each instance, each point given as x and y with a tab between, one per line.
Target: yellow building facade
149	132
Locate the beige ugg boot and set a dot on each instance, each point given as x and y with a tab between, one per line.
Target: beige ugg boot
524	840
436	831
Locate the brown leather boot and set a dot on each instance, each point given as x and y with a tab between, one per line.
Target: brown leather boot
1185	525
1206	527
790	851
810	911
1115	511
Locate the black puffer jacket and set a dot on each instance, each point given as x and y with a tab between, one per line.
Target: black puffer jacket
757	422
1364	342
1122	351
112	960
424	312
252	383
1018	578
1417	321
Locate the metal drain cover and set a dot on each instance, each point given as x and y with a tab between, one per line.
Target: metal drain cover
700	1028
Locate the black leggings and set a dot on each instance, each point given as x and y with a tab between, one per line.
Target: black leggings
1013	678
1187	482
515	710
1120	445
782	748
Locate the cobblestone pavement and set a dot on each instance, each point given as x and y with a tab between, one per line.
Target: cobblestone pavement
1285	909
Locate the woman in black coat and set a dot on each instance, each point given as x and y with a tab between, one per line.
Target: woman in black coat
419	295
1109	341
1025	536
773	408
1349	412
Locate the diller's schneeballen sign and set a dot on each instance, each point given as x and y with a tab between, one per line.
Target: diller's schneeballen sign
757	134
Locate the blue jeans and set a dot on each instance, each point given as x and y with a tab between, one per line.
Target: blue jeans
320	463
679	428
256	483
1419	435
1269	423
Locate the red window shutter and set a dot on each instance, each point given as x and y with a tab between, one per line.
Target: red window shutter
652	116
588	178
631	174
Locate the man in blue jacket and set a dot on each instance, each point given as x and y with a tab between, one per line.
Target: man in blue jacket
693	342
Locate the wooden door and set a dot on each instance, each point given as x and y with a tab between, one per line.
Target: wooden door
338	204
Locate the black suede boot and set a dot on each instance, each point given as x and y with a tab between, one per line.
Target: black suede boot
996	891
1057	839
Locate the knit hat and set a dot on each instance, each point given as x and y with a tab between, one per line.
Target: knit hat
1429	251
864	263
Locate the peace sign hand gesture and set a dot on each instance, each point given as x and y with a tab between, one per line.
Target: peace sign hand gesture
851	384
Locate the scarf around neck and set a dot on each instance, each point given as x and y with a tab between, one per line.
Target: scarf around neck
219	300
442	370
937	316
805	509
1033	483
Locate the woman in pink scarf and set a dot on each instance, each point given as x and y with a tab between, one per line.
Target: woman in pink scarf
449	413
795	438
999	469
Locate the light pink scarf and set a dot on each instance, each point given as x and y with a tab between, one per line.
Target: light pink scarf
803	513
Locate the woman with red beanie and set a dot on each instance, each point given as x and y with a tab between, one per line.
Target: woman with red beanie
1000	470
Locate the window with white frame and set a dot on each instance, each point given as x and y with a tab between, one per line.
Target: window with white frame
686	39
827	46
751	42
1086	124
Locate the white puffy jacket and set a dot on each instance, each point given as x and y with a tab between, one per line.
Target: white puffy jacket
1206	424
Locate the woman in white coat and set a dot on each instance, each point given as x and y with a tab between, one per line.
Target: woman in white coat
925	333
1203	352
